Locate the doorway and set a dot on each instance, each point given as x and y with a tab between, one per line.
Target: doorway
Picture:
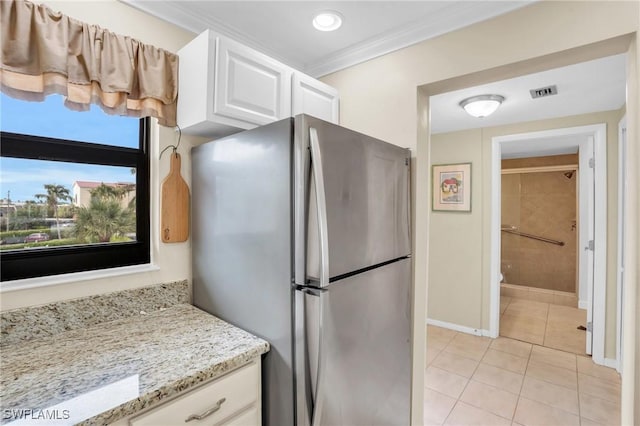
590	144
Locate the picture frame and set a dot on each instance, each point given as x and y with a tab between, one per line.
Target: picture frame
451	190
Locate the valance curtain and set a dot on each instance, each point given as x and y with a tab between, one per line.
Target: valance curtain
45	52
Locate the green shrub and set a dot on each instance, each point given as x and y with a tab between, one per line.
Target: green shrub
50	243
24	233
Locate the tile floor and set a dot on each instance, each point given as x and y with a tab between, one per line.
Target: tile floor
472	380
553	326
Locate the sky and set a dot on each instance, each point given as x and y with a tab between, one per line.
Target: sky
25	178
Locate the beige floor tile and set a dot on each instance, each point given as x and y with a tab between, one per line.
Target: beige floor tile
567	339
433	330
520	328
467	415
444	382
437	342
567	314
504	302
598	387
470	339
599	410
490	398
511	346
502	379
455	364
504	360
527	309
554	357
431	355
533	413
587	366
550	394
437	407
468	346
556	375
587	422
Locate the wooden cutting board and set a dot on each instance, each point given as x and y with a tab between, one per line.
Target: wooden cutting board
174	222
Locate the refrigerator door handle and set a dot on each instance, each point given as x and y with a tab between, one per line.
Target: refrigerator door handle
310	355
321	204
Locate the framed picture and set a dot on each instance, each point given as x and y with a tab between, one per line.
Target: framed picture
451	187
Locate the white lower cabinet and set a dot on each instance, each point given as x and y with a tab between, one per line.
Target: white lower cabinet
233	399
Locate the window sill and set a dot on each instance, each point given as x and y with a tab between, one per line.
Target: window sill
75	277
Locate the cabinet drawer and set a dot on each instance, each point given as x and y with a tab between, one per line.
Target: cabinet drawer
232	393
250	417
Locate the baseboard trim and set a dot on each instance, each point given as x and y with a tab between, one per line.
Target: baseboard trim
456	327
583	304
611	363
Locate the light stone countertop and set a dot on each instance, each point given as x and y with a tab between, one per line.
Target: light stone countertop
111	370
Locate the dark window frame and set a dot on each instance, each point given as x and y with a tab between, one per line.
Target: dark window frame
68	259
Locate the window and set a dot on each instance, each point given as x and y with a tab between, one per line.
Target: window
74	189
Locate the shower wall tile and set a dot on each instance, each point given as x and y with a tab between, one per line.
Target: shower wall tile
541	204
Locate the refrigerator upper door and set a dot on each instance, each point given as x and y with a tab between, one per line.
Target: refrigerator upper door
353	350
365	184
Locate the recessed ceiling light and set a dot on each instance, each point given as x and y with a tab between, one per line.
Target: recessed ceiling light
481	106
327	20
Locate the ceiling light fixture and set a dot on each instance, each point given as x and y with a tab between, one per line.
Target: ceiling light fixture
482	105
327	20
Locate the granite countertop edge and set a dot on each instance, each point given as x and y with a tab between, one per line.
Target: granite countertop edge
160	395
195	347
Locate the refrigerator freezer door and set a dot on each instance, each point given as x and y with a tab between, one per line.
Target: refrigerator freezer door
353	350
366	195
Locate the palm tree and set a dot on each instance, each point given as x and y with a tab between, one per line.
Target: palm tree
120	192
103	219
55	194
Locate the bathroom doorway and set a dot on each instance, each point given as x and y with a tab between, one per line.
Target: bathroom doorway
534	300
539	262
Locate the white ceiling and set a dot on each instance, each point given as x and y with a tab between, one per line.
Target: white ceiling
283	30
586	87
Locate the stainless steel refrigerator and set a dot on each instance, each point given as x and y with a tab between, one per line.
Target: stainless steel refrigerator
301	235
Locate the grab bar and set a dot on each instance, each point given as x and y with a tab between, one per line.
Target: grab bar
533	237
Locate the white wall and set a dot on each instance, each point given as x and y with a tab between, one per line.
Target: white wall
173	260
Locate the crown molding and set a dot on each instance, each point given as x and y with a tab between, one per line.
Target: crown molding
448	18
191	21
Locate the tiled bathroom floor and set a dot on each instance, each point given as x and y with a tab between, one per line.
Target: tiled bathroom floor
553	326
472	380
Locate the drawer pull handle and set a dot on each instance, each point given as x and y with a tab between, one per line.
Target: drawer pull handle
208	412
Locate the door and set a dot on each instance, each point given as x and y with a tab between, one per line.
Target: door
587	233
622	188
358	204
353	349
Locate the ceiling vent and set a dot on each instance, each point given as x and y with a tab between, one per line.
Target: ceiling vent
543	91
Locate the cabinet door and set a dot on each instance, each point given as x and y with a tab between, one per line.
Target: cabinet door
315	98
250	86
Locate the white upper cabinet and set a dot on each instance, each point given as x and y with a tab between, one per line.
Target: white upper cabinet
315	98
251	86
226	87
